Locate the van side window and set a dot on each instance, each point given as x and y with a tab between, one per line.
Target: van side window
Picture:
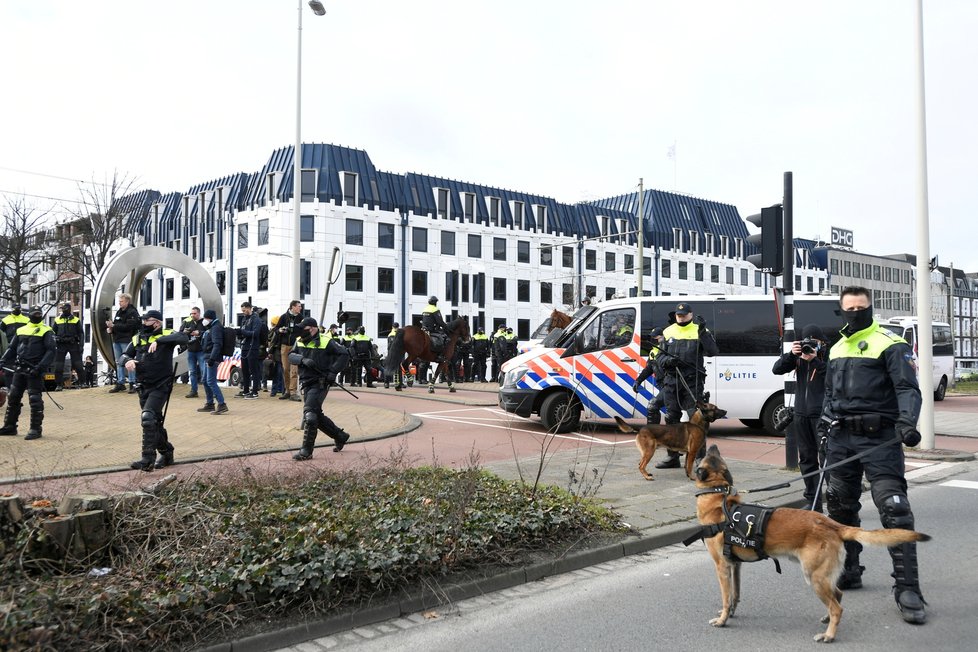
612	329
746	328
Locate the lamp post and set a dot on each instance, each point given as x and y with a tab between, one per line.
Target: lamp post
296	285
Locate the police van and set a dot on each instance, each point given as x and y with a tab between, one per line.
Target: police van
943	345
587	369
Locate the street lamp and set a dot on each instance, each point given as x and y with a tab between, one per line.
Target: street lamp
318	9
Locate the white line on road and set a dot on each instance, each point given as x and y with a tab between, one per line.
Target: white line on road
927	469
960	484
446	415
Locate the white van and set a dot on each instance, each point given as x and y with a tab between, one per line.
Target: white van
943	357
586	370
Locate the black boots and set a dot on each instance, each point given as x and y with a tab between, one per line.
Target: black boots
906	591
165	450
340	438
671	461
852	572
9	428
148	461
37	417
308	443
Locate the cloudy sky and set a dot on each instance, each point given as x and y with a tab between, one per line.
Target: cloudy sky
568	99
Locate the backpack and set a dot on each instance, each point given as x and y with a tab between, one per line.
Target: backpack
230	341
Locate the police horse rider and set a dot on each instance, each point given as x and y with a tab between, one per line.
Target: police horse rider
434	323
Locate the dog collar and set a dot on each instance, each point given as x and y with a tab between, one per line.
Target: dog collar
725	489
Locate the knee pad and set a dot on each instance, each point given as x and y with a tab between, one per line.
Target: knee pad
36	402
310	421
148	420
843	501
895	512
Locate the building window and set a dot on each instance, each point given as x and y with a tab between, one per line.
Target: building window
442	194
385	280
609	261
354	232
757	279
666	268
419	239
567	294
385	236
243	279
567	256
646	266
856	270
518	215
354	278
169	288
242	236
522	251
744	277
609	293
590	259
385	322
810	284
541	219
683	270
307	228
307	189
724	245
263	278
546	293
451	287
185	288
546	255
350	188
698	271
448	243
468	207
494	211
475	246
730	275
305	278
499	248
499	289
677	239
419	283
219	279
714	273
523	290
262	232
629	264
465	288
834	267
590	291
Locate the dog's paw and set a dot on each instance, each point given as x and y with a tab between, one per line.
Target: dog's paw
718	622
822	638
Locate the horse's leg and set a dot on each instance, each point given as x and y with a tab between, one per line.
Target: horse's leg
399	376
450	377
434	376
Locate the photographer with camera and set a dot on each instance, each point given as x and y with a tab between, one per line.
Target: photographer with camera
806	360
192	328
289	329
872	398
68	335
687	341
30	352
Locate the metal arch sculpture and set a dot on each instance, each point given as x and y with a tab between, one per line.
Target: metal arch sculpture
133	265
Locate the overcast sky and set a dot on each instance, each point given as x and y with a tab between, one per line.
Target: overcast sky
572	100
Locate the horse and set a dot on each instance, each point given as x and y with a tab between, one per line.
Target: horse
559	319
411	343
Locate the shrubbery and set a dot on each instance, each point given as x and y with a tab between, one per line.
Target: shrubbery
203	558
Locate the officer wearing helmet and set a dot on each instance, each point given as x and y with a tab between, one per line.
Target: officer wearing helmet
30	352
434	323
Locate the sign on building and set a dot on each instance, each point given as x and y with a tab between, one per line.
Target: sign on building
841	237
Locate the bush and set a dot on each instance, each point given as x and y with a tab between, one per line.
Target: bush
206	557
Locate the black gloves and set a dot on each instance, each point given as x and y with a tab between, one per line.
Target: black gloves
299	363
701	320
823	428
909	434
635	386
330	378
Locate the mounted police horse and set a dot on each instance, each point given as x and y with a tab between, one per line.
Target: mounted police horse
412	343
559	319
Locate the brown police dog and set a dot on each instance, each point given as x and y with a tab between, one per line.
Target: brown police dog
683	437
812	538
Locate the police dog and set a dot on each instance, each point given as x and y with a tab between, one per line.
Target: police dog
683	437
812	538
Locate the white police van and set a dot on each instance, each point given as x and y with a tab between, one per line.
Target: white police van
587	369
943	345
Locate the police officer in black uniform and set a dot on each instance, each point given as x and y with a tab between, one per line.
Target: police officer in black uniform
319	358
653	416
30	352
68	335
872	396
150	356
362	347
13	321
463	351
480	351
433	322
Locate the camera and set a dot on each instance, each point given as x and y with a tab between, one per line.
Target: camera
810	346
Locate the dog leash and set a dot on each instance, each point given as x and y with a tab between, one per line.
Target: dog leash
822	469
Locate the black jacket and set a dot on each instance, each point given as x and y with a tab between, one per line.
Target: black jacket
154	368
319	359
33	346
68	332
189	325
213	343
125	324
809	382
290	323
250	333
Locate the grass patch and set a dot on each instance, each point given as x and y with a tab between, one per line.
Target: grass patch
205	558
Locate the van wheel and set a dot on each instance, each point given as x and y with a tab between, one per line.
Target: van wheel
560	413
770	413
941	389
235	378
757	424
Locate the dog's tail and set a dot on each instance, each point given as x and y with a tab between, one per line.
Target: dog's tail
624	427
885	537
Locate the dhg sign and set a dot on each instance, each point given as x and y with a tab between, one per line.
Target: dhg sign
841	237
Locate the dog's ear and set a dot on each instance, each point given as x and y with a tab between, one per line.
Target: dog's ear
727	476
702	473
706	397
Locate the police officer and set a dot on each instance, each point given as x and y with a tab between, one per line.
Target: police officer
687	341
68	335
805	359
150	356
480	351
653	415
362	348
13	321
30	352
463	352
434	323
872	396
319	358
497	345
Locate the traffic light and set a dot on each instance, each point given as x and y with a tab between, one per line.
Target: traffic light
770	240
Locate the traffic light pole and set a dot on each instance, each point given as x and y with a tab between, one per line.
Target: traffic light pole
788	284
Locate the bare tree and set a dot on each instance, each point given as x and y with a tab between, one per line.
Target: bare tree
25	249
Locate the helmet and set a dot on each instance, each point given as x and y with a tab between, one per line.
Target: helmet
362	330
396	325
433	300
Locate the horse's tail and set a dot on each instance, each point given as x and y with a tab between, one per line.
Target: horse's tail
395	353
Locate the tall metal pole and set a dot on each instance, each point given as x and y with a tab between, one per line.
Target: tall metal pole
640	228
788	284
950	321
925	335
294	286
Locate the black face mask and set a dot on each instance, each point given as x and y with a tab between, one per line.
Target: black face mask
66	313
149	330
16	311
857	320
36	318
307	336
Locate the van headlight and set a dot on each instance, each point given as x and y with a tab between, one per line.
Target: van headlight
514	376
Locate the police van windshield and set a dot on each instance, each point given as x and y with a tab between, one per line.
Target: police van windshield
560	337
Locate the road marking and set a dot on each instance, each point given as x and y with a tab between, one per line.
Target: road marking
507	423
960	484
925	468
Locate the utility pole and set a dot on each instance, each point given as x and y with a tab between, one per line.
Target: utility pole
639	227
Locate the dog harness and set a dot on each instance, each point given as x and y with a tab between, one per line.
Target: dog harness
744	525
